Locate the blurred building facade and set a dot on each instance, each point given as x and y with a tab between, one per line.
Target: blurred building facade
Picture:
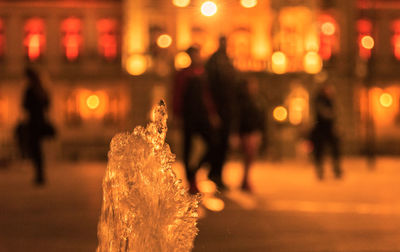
105	62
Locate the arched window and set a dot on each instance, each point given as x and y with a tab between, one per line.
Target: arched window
364	28
329	36
34	38
71	38
107	38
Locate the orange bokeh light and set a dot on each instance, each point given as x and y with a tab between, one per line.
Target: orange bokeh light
72	39
93	101
280	113
34	40
367	42
164	41
386	100
328	28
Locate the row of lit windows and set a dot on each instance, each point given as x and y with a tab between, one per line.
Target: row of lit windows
34	40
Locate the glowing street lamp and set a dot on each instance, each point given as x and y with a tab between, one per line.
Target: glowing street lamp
279	62
248	3
136	64
164	41
386	100
181	3
367	42
93	102
280	113
209	8
182	60
328	28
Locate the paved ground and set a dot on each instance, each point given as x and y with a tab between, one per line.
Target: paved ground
289	211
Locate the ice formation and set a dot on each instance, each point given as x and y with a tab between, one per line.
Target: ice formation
145	207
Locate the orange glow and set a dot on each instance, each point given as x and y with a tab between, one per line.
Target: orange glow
2	39
297	105
280	113
34	40
328	28
181	3
367	42
182	60
93	102
107	38
312	63
386	100
207	186
72	39
279	62
213	204
396	38
164	41
209	8
136	64
248	3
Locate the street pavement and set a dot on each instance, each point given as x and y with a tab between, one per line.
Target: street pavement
289	210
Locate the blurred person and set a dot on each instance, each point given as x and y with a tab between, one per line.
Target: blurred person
31	133
252	123
192	105
323	134
222	78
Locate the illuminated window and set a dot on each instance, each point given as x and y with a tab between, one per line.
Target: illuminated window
364	28
2	38
71	38
107	38
396	38
34	39
329	37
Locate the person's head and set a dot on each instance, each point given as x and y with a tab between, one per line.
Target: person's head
32	75
194	54
222	43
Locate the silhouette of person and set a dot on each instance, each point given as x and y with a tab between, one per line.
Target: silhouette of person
323	134
193	105
36	103
252	123
222	78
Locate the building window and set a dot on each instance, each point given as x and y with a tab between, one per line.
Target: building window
329	36
107	38
71	29
34	38
396	38
2	39
365	40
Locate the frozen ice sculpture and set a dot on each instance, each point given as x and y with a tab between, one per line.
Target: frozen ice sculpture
145	207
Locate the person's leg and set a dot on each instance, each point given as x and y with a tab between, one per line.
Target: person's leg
334	142
187	151
37	159
318	157
250	145
219	157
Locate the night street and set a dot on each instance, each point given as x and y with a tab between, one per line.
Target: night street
289	211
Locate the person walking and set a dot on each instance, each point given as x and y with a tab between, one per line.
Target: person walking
36	103
222	78
192	105
323	134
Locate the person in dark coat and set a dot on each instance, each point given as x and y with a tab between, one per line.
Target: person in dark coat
36	104
323	134
252	111
222	78
192	105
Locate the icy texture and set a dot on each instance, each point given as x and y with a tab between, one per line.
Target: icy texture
145	207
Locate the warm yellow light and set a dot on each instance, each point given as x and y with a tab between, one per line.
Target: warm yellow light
181	3
279	62
209	8
248	3
164	41
182	60
312	63
93	102
280	113
136	64
213	204
386	100
367	42
207	186
328	28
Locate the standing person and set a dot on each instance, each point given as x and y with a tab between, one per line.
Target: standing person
193	105
36	104
252	123
222	78
323	134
